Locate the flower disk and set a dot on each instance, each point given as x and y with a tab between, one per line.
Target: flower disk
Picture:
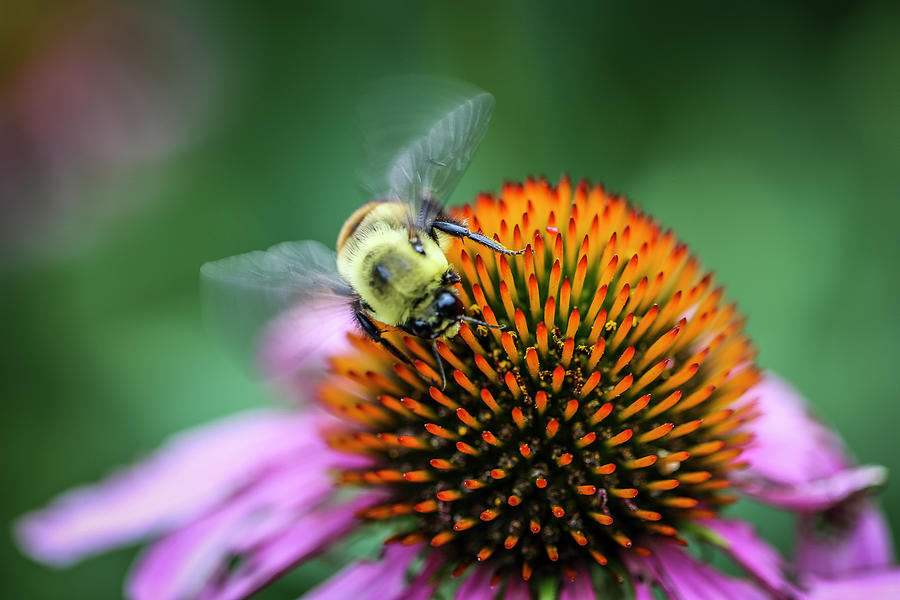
602	414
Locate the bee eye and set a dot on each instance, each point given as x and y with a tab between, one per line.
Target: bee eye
447	305
419	328
416	244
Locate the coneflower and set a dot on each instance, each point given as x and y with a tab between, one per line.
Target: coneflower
578	448
603	414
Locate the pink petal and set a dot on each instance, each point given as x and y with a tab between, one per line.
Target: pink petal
189	474
798	464
642	576
795	461
290	547
294	348
580	589
180	564
752	553
383	579
851	538
819	494
879	585
516	589
642	588
478	585
682	577
422	588
791	446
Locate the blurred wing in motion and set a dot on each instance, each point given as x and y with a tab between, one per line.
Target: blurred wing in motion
295	346
287	301
419	135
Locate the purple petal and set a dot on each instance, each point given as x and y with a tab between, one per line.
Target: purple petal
294	348
477	586
642	576
580	589
847	539
516	589
383	579
180	564
755	555
422	588
819	494
684	578
642	589
189	474
290	547
880	585
790	444
796	462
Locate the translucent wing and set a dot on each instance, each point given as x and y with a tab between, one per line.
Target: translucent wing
295	346
419	136
243	294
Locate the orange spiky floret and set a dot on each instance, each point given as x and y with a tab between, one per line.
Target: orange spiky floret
602	414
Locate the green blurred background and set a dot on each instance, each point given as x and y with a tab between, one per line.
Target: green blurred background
767	136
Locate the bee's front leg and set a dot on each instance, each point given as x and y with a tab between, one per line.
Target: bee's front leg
370	329
440	363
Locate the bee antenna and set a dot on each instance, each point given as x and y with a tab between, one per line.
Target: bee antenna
479	322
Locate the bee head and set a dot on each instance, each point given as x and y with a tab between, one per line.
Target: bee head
447	306
441	313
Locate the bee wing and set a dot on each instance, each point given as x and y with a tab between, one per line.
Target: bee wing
295	346
244	294
419	136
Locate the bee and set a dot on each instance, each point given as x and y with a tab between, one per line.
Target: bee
390	266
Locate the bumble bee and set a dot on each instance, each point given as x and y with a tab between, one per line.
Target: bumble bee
390	267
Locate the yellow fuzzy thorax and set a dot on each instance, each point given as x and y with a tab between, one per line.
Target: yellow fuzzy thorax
382	237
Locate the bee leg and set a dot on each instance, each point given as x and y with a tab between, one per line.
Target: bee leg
451	277
440	364
371	330
457	230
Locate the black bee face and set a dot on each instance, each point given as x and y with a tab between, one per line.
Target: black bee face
441	313
420	328
447	306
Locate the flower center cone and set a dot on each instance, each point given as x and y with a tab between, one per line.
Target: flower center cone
601	415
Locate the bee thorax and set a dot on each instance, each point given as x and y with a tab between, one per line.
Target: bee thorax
395	280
